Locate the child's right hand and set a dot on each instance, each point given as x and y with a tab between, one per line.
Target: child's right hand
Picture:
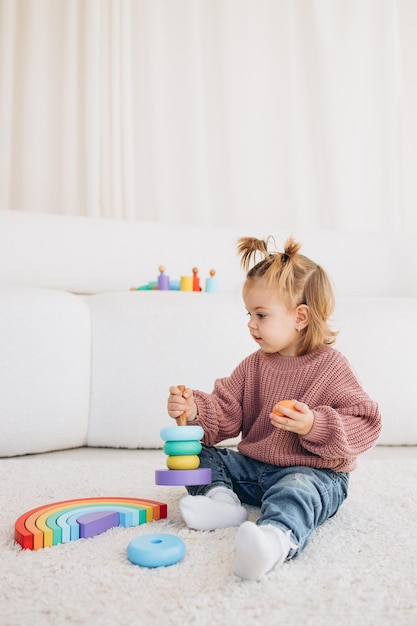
180	402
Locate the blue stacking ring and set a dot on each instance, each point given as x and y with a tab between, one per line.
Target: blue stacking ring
182	433
156	550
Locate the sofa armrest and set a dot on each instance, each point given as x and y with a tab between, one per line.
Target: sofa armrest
44	370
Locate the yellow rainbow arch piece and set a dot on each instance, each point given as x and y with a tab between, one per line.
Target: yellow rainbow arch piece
47	525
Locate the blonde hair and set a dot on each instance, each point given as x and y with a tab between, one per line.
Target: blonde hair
299	280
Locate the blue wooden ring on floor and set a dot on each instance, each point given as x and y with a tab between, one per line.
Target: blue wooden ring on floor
157	550
182	433
181	448
185	478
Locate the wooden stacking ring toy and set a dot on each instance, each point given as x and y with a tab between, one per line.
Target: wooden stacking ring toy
182	445
185	478
185	433
156	550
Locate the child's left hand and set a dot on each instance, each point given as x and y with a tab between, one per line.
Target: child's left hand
298	420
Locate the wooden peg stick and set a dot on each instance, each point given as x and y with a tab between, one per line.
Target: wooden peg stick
181	420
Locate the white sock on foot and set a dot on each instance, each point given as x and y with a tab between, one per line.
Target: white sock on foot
259	549
219	508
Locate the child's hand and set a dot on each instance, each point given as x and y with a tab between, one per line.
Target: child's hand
298	420
180	402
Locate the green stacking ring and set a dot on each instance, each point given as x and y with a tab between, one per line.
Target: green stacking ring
182	448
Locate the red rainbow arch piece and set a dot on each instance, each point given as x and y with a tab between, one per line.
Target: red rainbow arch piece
45	525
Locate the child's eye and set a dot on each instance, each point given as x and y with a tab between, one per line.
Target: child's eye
258	315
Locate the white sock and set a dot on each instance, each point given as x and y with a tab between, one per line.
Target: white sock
219	508
259	549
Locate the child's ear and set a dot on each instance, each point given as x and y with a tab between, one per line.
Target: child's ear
302	316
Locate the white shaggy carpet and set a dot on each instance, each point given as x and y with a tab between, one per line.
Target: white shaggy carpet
360	569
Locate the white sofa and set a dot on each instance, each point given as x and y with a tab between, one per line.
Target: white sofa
85	361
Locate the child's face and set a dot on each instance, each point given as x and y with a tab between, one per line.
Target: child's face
271	323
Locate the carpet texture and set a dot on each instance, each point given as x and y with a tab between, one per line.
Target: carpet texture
360	568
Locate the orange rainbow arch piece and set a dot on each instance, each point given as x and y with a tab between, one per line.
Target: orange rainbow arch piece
67	520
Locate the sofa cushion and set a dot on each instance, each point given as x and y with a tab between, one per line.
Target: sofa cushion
377	336
143	342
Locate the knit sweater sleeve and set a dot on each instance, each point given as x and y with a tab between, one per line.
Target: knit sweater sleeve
346	421
220	413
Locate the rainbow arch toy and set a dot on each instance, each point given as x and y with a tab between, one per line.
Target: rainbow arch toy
68	520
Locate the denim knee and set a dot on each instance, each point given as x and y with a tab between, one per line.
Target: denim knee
301	499
212	457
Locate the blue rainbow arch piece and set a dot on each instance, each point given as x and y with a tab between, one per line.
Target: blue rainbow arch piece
48	525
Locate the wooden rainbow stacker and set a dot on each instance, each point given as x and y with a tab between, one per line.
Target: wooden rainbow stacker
68	520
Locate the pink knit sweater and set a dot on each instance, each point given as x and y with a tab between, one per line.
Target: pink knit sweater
346	421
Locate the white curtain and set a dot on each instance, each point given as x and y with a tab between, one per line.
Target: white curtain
297	113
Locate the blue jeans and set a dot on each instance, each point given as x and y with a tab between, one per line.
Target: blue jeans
298	499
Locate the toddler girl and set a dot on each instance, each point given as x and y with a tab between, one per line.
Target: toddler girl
292	462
